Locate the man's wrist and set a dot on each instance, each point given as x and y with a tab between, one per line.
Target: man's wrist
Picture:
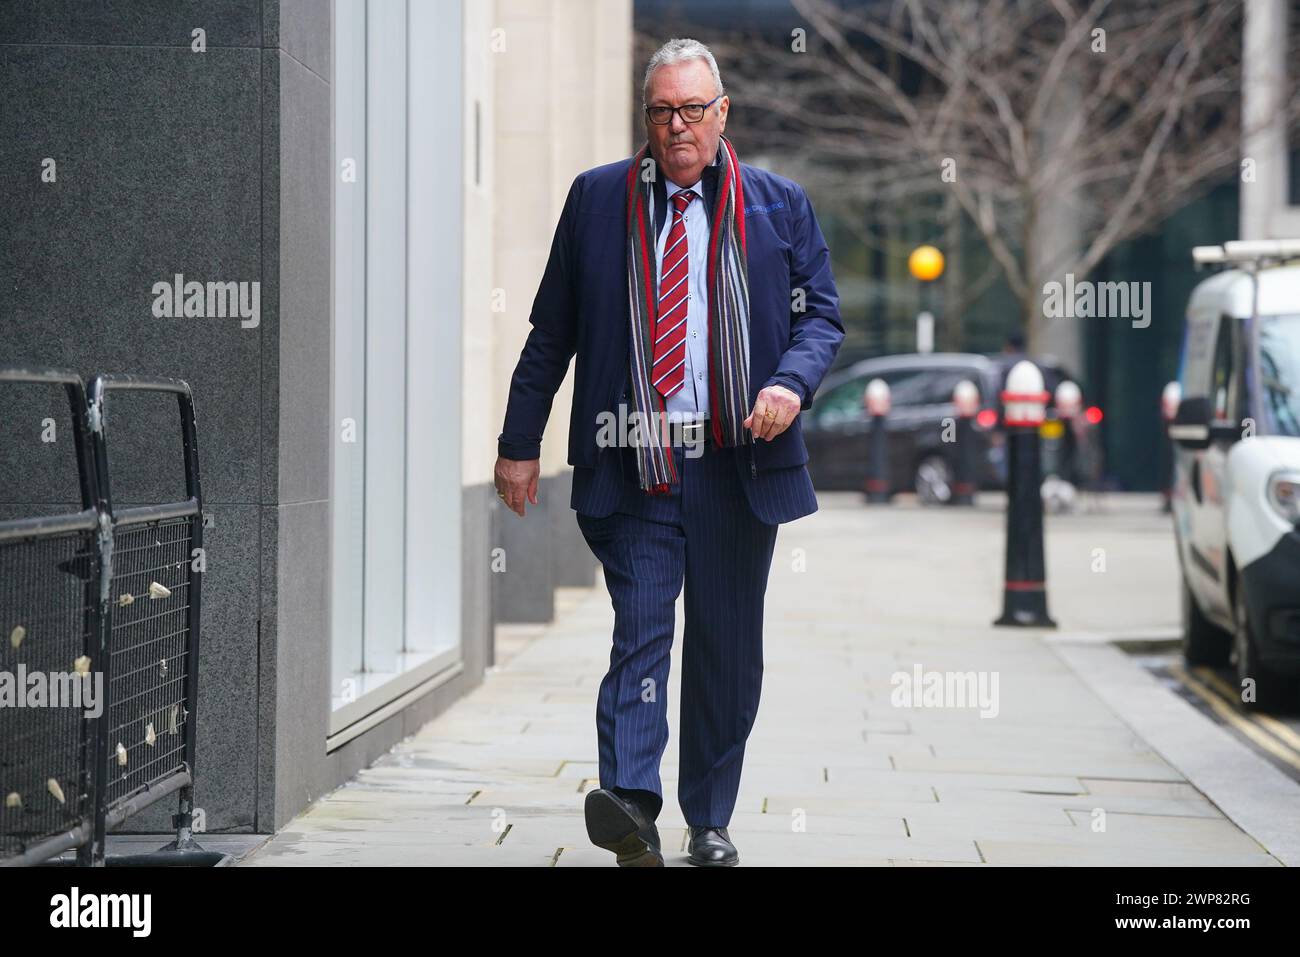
791	382
518	451
785	387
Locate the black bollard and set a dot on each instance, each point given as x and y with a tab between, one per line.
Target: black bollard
966	400
877	484
1069	406
1024	596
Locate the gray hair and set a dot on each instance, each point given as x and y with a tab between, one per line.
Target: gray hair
676	51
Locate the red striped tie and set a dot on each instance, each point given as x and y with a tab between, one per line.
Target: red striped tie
669	368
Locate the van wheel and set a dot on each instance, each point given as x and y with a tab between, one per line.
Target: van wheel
1274	691
933	480
1204	643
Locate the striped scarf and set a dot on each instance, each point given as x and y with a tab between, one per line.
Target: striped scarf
728	326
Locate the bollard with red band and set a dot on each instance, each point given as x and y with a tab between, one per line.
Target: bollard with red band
1024	596
877	400
966	401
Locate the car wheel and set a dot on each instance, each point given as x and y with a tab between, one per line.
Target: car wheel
933	480
1273	691
1204	643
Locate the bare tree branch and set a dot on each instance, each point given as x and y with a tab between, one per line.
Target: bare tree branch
1111	115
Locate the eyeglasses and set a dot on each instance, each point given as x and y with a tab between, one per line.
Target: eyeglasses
690	112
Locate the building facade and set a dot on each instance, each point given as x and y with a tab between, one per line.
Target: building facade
383	179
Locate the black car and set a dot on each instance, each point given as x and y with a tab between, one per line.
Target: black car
836	428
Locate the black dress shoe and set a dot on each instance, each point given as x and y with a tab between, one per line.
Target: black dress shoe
712	847
620	826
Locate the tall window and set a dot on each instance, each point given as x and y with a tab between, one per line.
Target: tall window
395	469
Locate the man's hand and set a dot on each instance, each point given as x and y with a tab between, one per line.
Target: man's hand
774	410
515	479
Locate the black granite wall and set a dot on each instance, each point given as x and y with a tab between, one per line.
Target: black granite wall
213	164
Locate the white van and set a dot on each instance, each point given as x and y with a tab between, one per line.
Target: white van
1236	495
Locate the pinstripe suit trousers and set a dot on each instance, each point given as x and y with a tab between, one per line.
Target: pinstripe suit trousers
704	536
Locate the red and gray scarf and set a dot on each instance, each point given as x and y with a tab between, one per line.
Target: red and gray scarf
728	328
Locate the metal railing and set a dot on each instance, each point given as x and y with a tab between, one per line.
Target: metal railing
51	576
122	587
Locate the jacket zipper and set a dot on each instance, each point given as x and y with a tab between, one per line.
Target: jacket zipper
620	397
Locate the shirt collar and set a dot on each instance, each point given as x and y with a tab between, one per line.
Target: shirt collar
674	188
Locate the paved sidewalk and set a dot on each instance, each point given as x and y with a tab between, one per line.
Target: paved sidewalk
834	773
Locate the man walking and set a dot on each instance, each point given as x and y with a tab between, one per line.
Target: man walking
696	292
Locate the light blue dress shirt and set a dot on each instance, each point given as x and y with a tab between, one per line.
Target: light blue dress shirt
690	403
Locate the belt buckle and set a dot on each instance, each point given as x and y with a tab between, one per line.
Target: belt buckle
698	430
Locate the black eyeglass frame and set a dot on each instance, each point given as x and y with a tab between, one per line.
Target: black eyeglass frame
674	109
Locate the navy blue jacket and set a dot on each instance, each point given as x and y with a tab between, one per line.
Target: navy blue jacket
582	308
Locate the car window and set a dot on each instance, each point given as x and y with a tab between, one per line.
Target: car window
1221	372
907	387
843	403
935	386
901	384
1279	361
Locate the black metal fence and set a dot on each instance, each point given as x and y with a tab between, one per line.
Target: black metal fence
51	577
112	594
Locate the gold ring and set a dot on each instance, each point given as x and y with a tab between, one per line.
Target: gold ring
768	414
501	495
